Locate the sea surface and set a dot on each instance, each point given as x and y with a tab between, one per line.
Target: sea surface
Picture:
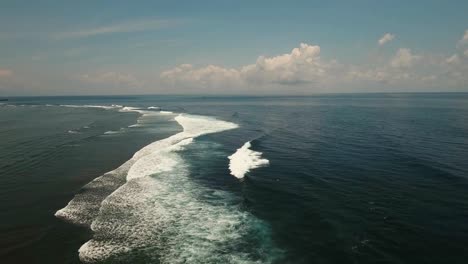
350	178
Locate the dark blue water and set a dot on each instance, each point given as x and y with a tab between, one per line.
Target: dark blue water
373	178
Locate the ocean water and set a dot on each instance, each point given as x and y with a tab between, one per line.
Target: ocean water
355	178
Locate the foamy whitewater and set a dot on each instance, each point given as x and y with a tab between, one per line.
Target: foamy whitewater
150	207
245	160
107	107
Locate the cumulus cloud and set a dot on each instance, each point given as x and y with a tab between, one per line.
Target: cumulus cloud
387	37
464	39
404	58
303	70
111	78
302	65
6	73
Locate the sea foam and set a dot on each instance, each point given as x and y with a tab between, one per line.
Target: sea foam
84	207
106	107
150	206
143	115
158	152
244	160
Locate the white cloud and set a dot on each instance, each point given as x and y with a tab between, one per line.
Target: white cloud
6	73
111	78
404	58
302	65
304	71
123	27
454	59
387	37
464	39
406	69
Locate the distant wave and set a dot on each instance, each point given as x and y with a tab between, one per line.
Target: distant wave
244	160
122	108
111	132
107	107
143	112
150	204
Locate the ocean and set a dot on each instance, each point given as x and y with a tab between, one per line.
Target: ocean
344	178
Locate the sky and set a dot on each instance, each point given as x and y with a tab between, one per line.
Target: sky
232	47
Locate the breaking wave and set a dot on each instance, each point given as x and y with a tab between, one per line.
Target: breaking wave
151	208
111	132
144	114
107	107
245	160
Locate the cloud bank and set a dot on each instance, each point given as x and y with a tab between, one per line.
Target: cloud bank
303	69
301	66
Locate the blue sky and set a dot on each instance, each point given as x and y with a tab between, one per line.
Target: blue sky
118	47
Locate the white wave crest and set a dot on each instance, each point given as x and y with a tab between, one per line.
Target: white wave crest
244	160
83	208
154	208
111	132
107	107
158	152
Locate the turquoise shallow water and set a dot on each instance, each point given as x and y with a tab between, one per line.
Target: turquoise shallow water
351	179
